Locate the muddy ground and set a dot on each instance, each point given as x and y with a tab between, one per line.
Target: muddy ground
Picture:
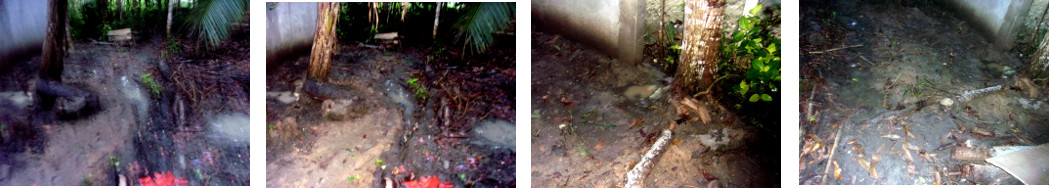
192	128
589	130
884	91
461	130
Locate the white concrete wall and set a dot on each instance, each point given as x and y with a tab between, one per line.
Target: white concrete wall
610	25
289	28
23	25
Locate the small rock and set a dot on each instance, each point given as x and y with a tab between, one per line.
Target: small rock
339	109
70	105
816	39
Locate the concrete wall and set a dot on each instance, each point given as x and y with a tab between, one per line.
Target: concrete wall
614	27
1000	21
23	25
289	29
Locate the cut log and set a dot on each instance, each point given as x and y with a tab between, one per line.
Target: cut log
121	36
386	36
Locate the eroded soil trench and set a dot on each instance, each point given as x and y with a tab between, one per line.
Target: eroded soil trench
886	91
459	128
189	129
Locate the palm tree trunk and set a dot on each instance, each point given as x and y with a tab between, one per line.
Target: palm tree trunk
55	41
324	41
700	45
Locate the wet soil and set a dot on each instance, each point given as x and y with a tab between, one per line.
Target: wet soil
134	133
884	91
587	132
391	132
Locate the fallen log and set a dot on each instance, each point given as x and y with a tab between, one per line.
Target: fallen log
636	176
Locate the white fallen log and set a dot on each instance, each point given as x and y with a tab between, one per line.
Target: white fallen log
636	176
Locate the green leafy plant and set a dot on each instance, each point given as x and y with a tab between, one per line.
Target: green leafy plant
752	41
173	45
916	89
210	20
480	21
417	88
147	79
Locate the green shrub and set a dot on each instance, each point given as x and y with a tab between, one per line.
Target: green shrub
752	41
154	88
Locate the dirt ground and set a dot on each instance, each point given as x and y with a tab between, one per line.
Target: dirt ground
389	135
134	133
582	133
884	91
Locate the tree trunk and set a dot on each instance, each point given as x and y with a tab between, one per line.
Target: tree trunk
120	9
171	8
324	40
55	41
1040	61
103	8
700	45
436	18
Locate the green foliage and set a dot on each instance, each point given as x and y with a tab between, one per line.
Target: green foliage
916	89
210	19
105	28
154	88
173	45
752	41
480	21
417	88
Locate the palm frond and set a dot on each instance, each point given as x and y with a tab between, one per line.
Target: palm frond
210	20
480	21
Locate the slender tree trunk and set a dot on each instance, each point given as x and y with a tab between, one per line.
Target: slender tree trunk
55	41
436	18
171	8
323	41
120	9
700	45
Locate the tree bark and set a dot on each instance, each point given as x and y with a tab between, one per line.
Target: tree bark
323	41
171	8
1040	61
700	45
120	9
55	41
436	18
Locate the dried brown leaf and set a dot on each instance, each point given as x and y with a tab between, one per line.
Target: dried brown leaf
637	122
837	171
892	137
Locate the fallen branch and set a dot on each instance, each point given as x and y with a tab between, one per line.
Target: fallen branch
831	158
865	59
637	175
835	49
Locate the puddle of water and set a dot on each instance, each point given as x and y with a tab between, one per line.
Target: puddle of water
134	93
285	97
17	98
496	133
230	127
398	95
636	93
